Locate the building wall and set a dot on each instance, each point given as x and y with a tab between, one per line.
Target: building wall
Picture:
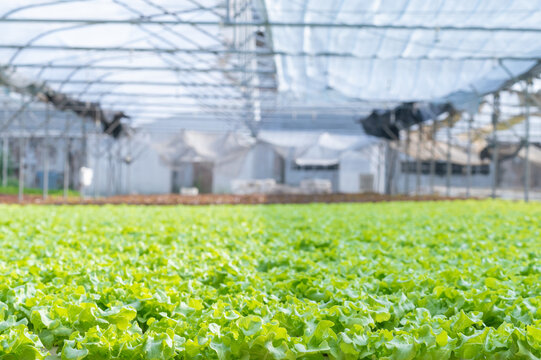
147	174
353	164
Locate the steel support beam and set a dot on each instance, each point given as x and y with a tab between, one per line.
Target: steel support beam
156	83
203	96
141	68
260	53
147	21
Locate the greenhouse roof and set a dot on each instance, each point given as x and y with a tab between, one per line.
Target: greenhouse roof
253	63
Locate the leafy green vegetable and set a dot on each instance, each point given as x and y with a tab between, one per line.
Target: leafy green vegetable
451	280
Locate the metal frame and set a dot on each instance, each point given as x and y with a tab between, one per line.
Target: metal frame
234	82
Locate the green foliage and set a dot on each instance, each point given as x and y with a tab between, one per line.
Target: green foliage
12	188
453	280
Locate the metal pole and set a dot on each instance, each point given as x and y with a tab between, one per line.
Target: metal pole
96	164
433	157
407	180
388	168
5	159
22	146
227	11
468	165
5	149
67	168
527	144
67	147
111	172
84	159
46	154
495	157
418	163
128	168
380	161
119	170
449	166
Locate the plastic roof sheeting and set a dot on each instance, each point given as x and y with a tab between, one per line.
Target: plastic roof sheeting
370	53
107	75
404	64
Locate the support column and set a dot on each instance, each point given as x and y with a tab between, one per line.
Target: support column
227	11
111	172
468	164
46	154
5	160
418	162
67	169
84	157
128	167
527	143
96	148
119	161
22	164
449	165
5	150
433	156
495	155
388	168
407	179
22	153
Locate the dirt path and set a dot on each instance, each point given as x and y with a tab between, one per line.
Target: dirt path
173	199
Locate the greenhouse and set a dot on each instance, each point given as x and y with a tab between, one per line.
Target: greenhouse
367	175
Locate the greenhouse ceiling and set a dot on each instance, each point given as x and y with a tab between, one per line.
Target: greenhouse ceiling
250	63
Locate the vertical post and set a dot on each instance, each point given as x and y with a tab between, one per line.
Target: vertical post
407	180
111	172
67	168
67	148
388	168
119	177
46	154
96	148
84	157
433	156
128	167
468	165
227	11
418	163
5	150
449	165
22	164
527	144
378	174
22	148
495	157
5	159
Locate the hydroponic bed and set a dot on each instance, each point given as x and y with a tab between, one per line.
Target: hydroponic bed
459	280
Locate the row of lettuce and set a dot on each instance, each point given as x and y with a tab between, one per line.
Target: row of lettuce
456	280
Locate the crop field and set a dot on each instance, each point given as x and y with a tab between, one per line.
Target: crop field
448	280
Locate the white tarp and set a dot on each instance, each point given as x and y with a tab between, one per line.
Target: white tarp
231	148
